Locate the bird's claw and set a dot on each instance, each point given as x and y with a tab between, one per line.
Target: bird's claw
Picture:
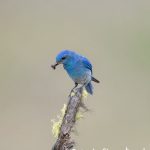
72	93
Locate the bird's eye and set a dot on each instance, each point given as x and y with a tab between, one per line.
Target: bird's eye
63	58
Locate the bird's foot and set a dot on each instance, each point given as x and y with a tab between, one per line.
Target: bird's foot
72	93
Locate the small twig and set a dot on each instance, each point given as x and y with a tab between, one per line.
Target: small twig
64	141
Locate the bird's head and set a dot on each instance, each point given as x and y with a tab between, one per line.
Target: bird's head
65	57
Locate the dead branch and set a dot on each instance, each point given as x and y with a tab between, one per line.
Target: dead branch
64	141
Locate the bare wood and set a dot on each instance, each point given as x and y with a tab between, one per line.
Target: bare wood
64	141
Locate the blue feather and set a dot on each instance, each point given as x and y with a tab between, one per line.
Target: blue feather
89	88
87	63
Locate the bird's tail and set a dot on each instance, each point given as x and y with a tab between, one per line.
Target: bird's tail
95	80
89	88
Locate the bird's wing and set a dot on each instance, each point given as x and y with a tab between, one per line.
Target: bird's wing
86	63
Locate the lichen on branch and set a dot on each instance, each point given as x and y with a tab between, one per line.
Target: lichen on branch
70	113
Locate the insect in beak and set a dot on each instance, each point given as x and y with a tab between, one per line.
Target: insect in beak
54	66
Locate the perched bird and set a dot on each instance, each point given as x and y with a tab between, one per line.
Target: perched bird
78	68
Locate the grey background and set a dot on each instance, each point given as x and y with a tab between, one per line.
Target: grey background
114	35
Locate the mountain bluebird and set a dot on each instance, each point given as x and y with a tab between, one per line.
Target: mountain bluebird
78	68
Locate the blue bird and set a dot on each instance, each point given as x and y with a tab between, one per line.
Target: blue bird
78	68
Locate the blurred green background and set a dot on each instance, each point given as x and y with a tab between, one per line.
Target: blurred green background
114	35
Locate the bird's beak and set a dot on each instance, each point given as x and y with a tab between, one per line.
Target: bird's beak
54	66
